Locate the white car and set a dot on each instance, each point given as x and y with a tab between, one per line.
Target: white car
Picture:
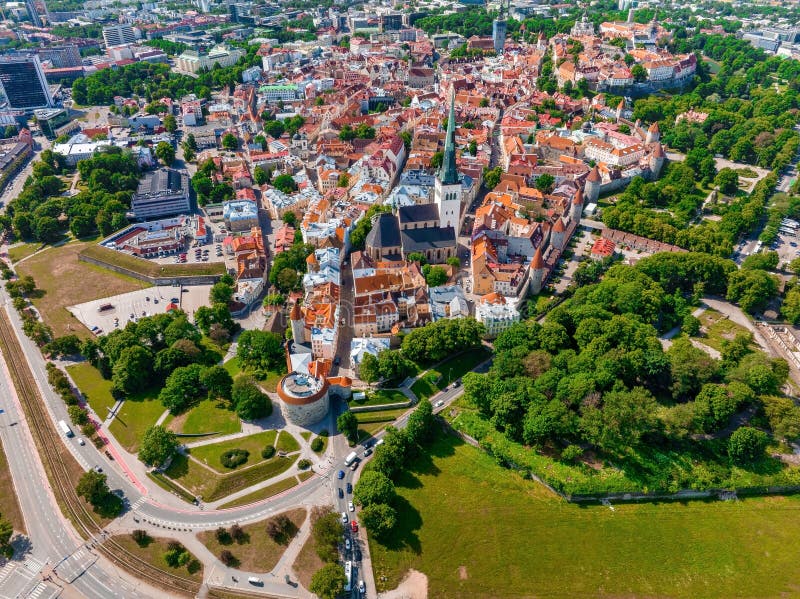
345	519
350	506
347	544
439	403
362	588
81	442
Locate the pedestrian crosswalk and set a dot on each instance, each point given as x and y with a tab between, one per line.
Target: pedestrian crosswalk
6	572
40	590
33	565
139	502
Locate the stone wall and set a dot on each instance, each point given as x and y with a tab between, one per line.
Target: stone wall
177	280
307	414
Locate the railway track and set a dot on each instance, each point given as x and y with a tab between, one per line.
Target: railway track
48	442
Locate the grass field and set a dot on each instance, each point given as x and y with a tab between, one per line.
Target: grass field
210	454
93	386
269	384
286	442
23	250
516	539
265	493
211	486
718	328
9	508
446	372
64	281
307	561
208	416
258	553
150	268
381	397
153	553
370	423
135	416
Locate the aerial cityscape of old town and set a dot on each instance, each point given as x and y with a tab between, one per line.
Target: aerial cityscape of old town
426	298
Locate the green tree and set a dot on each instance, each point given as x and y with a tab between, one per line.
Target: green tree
379	519
638	72
165	152
751	289
374	487
421	423
790	308
260	175
347	423
626	417
392	365
343	181
285	183
48	229
327	532
6	531
435	276
170	124
491	177
261	350
328	582
368	369
691	325
727	180
746	445
93	488
132	372
248	399
217	381
545	183
230	142
157	445
436	159
221	293
181	388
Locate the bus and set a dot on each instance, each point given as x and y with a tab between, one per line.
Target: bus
348	574
65	429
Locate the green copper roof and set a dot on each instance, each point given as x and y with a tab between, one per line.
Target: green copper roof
448	174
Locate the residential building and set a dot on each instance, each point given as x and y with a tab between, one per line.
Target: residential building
118	35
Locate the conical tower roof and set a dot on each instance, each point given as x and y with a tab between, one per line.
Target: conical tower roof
578	199
448	173
558	226
538	261
594	175
295	313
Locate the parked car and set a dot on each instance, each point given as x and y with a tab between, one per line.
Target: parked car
362	588
347	544
341	493
345	518
350	506
349	488
353	525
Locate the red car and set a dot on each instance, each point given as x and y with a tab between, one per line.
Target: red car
354	525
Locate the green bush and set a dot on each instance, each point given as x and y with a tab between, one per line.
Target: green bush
234	458
317	444
268	452
304	464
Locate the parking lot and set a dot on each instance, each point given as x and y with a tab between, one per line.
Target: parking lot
201	254
104	315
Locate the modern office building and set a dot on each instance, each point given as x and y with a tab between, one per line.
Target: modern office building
33	12
117	35
192	61
23	82
54	121
164	192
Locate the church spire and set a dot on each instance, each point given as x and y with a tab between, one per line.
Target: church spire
448	174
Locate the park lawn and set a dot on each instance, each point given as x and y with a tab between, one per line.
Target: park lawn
381	397
308	561
9	506
517	539
718	329
136	415
286	442
444	373
64	281
211	486
150	268
153	553
306	435
210	454
258	552
265	493
370	423
209	417
270	383
22	250
93	387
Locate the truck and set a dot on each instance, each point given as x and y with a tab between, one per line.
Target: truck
65	429
351	457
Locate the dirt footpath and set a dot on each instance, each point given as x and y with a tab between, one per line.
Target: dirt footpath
413	586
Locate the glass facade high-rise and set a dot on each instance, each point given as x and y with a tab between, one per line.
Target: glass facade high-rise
23	82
